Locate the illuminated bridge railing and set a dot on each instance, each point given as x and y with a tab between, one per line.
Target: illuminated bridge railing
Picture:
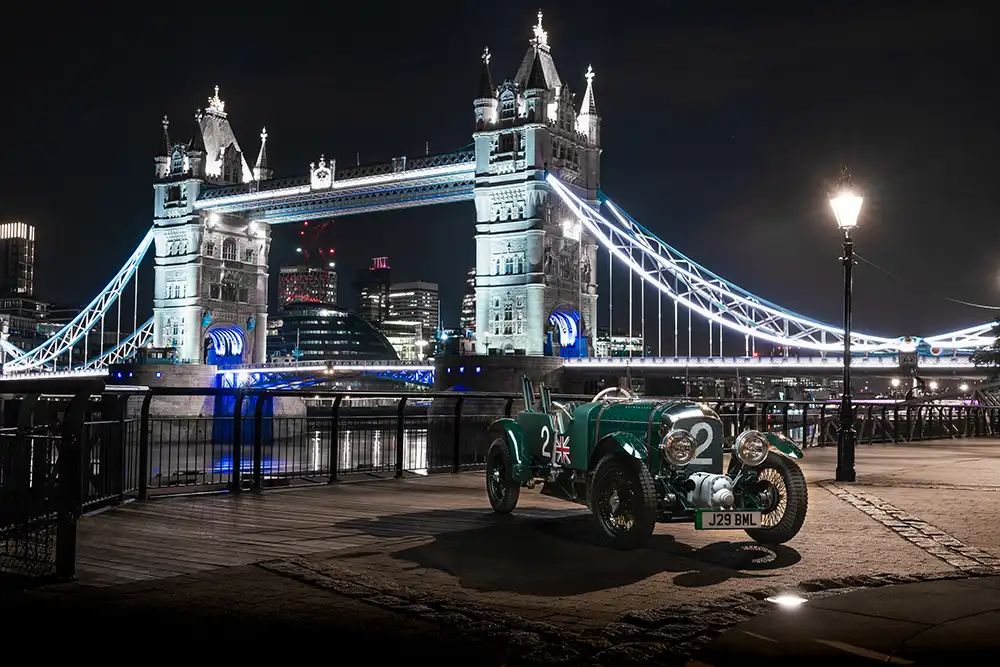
767	363
395	166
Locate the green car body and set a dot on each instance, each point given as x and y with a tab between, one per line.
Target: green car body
562	446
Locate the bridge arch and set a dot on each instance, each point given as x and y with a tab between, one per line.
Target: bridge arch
565	337
224	345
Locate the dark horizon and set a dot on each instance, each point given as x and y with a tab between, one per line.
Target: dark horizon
723	131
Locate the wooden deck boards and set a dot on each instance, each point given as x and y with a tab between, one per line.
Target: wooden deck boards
174	536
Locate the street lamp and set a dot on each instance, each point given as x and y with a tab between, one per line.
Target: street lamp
846	203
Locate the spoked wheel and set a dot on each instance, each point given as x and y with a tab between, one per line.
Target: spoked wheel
784	500
501	488
624	500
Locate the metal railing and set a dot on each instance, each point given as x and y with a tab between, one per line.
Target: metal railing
108	445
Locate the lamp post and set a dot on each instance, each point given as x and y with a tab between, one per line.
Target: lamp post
846	202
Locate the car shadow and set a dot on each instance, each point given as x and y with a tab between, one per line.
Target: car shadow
538	555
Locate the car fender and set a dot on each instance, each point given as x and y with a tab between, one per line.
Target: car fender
622	443
783	445
513	435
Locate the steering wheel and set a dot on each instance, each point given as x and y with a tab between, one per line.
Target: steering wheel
599	396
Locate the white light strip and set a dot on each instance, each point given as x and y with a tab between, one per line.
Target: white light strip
53	375
577	206
673	267
789	363
464	169
966	338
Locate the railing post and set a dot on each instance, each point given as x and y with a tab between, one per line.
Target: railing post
895	423
120	447
457	435
258	442
70	484
237	452
335	439
871	425
144	446
822	424
784	419
400	431
509	407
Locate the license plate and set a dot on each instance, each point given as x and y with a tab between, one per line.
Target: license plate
726	520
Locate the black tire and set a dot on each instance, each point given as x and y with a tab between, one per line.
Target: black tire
782	521
623	480
501	488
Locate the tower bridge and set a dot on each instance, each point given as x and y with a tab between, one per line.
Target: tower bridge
532	172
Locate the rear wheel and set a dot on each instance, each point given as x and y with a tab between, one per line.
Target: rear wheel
784	498
623	499
501	488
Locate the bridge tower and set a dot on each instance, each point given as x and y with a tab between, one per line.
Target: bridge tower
210	296
536	289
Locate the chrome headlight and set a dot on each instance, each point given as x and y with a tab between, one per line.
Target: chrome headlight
751	448
677	447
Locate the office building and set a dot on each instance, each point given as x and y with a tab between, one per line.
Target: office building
324	331
468	320
17	259
373	291
416	302
307	284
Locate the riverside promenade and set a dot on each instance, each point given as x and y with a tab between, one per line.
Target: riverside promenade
900	567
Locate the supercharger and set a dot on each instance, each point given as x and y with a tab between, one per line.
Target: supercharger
710	491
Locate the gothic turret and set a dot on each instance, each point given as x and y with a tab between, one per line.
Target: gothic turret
486	99
588	122
260	170
162	159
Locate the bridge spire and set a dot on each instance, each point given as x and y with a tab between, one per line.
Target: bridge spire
260	170
486	89
588	122
166	148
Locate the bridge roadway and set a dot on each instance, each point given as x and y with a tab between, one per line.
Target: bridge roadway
428	550
727	367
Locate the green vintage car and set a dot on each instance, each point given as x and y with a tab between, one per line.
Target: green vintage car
635	462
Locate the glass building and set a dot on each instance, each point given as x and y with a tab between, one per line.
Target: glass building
313	331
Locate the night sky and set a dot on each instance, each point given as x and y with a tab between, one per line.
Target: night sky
723	129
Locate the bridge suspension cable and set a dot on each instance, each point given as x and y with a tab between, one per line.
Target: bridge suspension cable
63	342
699	290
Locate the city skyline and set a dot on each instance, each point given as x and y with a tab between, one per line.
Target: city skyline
778	180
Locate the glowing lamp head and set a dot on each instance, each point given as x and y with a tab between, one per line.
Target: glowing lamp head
895	382
963	387
846	202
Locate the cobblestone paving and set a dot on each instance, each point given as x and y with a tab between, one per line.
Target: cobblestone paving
659	636
931	539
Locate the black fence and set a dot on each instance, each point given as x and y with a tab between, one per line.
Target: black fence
63	456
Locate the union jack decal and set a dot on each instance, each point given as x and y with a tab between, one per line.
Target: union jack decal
561	450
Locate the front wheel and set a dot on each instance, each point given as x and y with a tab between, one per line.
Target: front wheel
501	488
623	498
784	500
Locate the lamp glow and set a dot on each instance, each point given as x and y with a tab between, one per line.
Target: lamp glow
963	387
933	385
786	600
895	382
846	203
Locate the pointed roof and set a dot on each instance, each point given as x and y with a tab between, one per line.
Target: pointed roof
197	142
262	155
486	89
589	106
165	146
538	48
536	75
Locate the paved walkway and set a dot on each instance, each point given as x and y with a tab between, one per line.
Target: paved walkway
426	561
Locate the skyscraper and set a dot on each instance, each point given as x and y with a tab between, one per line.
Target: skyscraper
17	259
373	291
468	320
307	284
